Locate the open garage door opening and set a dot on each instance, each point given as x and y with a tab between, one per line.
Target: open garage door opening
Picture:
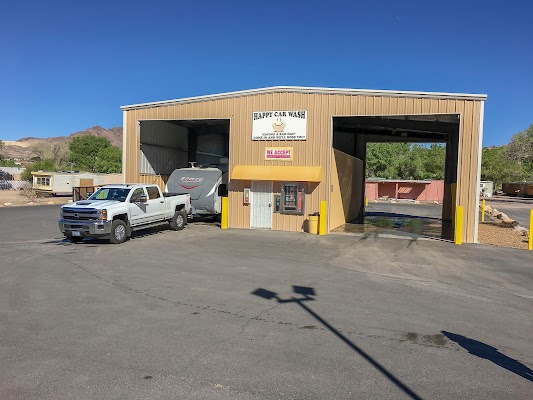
187	156
399	199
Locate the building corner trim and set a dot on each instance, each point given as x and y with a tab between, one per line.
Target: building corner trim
124	154
478	179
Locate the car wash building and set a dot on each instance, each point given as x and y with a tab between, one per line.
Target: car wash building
287	149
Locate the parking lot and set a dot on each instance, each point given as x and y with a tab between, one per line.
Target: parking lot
241	314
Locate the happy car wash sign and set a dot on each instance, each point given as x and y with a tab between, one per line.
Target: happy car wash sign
278	153
279	125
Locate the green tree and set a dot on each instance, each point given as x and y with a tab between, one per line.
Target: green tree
109	160
405	161
520	151
43	165
95	154
7	163
434	161
496	167
381	158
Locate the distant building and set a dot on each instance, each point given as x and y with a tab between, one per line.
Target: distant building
11	173
62	183
426	191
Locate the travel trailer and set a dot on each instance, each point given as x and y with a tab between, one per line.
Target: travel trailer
206	185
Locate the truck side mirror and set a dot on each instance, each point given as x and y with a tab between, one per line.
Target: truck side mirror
139	199
223	190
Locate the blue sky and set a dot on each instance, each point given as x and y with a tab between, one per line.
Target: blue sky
69	65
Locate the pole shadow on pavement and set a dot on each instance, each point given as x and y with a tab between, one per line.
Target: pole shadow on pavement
307	294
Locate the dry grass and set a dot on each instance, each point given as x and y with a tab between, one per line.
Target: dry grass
17	198
495	234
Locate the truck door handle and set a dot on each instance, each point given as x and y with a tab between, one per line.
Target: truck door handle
161	201
270	204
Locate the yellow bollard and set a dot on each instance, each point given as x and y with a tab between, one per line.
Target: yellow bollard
366	201
459	225
322	220
530	244
483	210
224	214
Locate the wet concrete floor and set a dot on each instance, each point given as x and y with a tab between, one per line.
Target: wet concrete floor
401	219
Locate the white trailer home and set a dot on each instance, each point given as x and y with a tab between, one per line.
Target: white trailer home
61	183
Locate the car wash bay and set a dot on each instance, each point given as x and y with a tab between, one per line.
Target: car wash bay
327	147
166	145
351	135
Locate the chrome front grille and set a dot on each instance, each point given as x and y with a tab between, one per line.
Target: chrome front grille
81	215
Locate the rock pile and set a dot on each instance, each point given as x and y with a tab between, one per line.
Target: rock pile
499	216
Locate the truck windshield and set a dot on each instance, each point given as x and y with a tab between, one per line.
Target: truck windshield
117	194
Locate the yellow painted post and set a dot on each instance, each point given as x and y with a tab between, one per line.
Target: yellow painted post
459	225
530	244
483	210
366	201
323	218
224	215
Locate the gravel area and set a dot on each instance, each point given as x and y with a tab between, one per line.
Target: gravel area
495	234
16	198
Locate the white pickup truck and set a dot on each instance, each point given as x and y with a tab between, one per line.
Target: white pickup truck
114	211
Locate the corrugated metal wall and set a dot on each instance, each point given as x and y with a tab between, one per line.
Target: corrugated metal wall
315	151
211	148
163	147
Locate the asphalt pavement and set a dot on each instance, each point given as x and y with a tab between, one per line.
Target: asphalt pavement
241	314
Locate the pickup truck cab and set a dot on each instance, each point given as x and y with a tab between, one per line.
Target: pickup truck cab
114	211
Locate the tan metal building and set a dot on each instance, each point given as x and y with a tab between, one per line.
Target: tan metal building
291	147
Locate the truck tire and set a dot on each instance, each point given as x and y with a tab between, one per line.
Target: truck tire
119	232
178	221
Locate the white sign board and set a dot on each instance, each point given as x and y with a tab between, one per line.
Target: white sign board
279	125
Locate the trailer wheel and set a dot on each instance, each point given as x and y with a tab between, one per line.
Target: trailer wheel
119	232
178	221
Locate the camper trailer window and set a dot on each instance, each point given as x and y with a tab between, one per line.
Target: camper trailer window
292	198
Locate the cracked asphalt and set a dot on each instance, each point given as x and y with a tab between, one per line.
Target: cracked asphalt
171	315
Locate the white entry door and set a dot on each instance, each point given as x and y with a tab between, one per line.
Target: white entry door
261	210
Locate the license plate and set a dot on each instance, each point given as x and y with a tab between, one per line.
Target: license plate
76	233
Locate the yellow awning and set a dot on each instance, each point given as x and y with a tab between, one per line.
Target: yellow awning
267	173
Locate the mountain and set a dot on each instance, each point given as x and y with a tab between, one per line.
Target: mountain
26	148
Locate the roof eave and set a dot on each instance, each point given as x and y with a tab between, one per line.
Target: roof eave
310	90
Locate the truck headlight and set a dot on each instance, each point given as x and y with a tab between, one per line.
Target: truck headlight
103	215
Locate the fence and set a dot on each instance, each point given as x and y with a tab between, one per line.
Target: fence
82	192
14	185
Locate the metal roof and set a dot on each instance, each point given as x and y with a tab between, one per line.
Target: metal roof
310	90
12	170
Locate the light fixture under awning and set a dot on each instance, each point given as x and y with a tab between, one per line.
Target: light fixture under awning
280	173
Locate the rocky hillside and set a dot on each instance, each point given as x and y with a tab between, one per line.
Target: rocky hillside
26	148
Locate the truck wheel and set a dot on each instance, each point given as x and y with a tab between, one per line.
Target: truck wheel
119	232
178	221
